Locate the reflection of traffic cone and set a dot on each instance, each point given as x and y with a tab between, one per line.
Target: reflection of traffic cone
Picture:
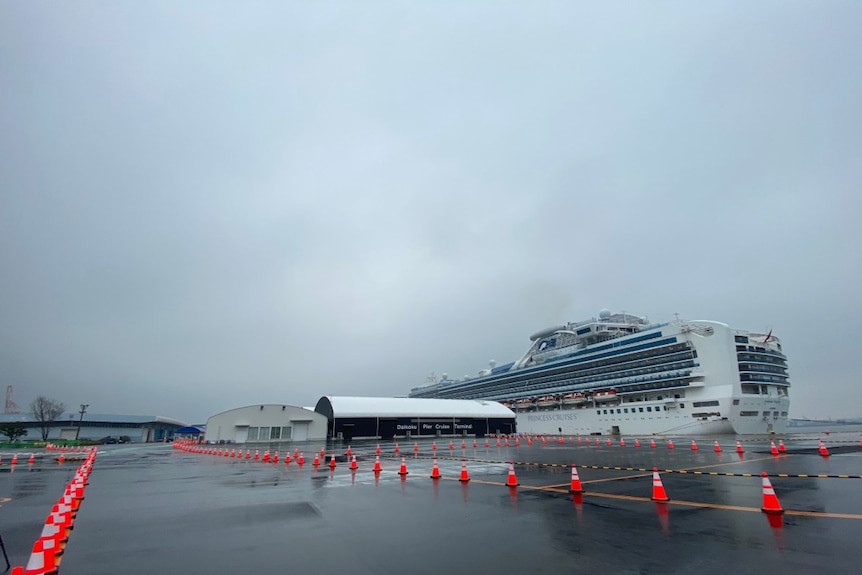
435	471
770	500
781	446
772	449
694	445
576	481
658	492
652	443
353	465
716	447
823	450
377	468
403	471
739	448
512	481
465	477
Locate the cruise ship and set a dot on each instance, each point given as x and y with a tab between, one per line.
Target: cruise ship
620	374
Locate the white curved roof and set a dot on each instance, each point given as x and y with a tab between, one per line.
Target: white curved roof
414	407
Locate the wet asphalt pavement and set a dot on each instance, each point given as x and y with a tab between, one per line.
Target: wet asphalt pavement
153	509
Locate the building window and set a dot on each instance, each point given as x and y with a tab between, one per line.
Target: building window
286	432
252	433
275	433
264	434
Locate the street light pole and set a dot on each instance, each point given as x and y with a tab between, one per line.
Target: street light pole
84	407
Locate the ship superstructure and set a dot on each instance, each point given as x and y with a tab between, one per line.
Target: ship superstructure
618	373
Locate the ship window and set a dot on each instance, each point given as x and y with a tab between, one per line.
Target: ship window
649	408
627	409
619	410
735	402
747	413
784	413
706	404
741	339
682	406
765	414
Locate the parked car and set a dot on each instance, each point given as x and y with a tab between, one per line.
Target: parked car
109	440
125	439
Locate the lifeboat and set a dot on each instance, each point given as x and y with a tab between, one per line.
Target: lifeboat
524	403
547	401
605	395
508	404
574	399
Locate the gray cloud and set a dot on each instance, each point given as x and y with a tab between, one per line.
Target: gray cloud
207	205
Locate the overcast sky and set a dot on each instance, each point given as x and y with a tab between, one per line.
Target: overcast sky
214	204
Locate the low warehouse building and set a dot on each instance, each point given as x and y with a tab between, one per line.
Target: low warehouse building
384	417
93	426
264	424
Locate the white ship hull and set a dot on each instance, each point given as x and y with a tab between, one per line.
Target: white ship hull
588	420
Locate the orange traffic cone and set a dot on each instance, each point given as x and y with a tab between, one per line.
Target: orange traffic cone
781	447
694	445
435	471
316	461
658	492
434	446
716	447
463	444
416	447
739	448
770	500
377	468
622	442
451	446
43	559
15	458
474	444
403	471
332	462
301	459
670	443
488	442
512	481
353	465
773	450
275	457
652	443
637	442
397	449
597	441
576	481
377	451
31	460
823	450
349	452
465	477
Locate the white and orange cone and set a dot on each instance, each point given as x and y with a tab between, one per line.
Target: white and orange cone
403	470
822	450
435	470
512	481
576	481
781	447
739	448
694	445
658	492
716	447
670	443
773	450
353	465
377	468
770	500
465	476
332	462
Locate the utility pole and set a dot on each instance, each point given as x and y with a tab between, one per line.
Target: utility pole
84	407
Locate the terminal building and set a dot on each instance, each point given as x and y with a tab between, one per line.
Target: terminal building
267	423
94	426
350	418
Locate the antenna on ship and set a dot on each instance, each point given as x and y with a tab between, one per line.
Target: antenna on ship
676	315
